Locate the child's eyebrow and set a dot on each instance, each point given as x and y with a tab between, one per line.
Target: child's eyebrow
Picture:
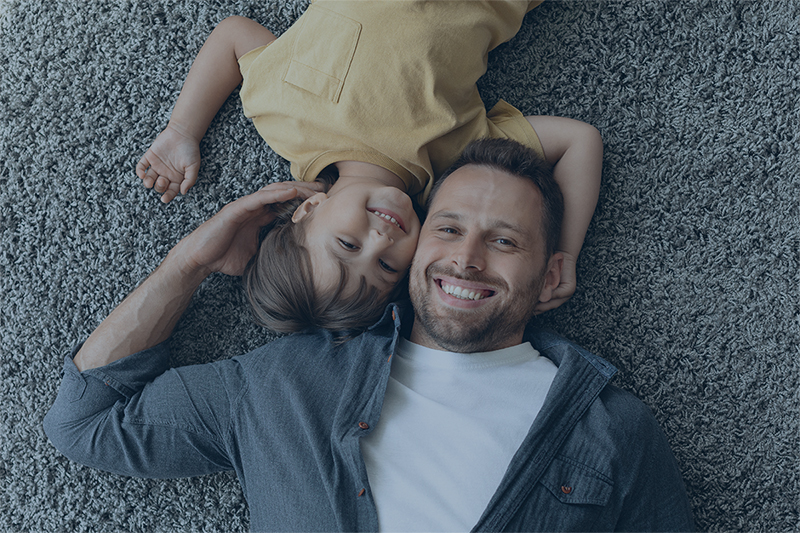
345	259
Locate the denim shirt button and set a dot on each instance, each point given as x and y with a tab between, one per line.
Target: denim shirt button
363	425
361	492
566	490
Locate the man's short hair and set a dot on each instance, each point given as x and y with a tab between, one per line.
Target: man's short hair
518	160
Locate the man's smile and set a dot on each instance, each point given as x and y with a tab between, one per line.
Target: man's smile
461	293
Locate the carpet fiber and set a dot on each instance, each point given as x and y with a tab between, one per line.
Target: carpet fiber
688	281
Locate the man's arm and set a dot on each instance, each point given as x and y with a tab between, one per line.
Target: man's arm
172	162
575	149
225	243
120	408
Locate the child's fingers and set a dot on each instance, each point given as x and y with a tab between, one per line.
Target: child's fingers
170	193
162	184
146	173
142	166
563	293
189	179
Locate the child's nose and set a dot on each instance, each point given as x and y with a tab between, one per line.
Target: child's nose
381	236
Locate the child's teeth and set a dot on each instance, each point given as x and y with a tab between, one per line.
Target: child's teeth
387	217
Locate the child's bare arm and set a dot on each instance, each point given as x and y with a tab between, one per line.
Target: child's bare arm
575	149
172	162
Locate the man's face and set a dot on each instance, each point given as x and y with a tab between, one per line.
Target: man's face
480	266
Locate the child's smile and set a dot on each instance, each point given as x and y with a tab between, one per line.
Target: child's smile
365	227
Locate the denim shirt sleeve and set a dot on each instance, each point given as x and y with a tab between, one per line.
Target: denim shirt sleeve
655	496
137	417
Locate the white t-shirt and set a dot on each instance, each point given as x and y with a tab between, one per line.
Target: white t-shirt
449	427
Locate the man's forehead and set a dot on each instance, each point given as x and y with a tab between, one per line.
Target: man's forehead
472	184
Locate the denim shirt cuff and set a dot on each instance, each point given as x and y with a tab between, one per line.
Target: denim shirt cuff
127	376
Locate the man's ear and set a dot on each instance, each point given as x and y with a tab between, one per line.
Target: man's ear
552	276
308	206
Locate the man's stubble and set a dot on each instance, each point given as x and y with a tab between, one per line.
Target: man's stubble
470	331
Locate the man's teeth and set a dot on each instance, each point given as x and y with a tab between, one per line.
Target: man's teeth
387	217
463	294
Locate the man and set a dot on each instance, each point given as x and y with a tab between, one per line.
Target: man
462	426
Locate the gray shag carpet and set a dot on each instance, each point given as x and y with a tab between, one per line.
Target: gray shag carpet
688	281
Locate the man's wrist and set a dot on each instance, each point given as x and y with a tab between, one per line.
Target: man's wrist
183	269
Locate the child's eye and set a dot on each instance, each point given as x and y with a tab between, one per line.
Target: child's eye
347	246
386	267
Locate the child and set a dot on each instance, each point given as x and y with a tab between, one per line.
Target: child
377	99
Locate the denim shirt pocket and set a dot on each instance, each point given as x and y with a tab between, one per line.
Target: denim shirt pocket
321	69
573	483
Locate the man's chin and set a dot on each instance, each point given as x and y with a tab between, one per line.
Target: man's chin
462	335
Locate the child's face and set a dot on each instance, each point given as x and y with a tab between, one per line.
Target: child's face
352	227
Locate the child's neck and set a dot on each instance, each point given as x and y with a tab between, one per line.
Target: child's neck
361	170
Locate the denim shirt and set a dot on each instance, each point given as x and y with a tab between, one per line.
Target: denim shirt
288	418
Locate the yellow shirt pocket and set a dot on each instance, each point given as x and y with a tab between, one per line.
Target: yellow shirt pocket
322	53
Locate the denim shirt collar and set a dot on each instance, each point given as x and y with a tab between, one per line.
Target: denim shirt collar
548	343
579	381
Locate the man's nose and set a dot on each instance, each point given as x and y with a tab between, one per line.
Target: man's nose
470	254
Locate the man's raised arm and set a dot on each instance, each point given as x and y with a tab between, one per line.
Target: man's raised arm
224	243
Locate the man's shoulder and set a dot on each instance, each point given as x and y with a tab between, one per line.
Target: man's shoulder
620	410
556	348
316	347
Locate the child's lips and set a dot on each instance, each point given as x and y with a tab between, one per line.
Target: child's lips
389	216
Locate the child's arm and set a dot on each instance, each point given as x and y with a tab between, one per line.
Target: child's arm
575	149
172	162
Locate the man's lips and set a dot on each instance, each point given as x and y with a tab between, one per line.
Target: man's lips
389	216
461	291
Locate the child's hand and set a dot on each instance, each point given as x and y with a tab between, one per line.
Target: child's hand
565	289
171	164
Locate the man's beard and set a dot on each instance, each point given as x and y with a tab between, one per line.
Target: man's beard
470	330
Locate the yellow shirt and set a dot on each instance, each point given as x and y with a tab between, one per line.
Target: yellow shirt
391	83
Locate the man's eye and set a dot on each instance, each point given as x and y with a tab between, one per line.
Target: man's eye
452	231
505	242
386	267
347	246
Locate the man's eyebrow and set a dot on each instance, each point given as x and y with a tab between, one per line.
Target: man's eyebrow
504	224
447	214
495	223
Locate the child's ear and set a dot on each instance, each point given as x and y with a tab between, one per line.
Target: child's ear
308	206
552	276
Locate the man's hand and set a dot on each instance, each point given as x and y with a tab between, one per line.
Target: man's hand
226	242
565	289
171	164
